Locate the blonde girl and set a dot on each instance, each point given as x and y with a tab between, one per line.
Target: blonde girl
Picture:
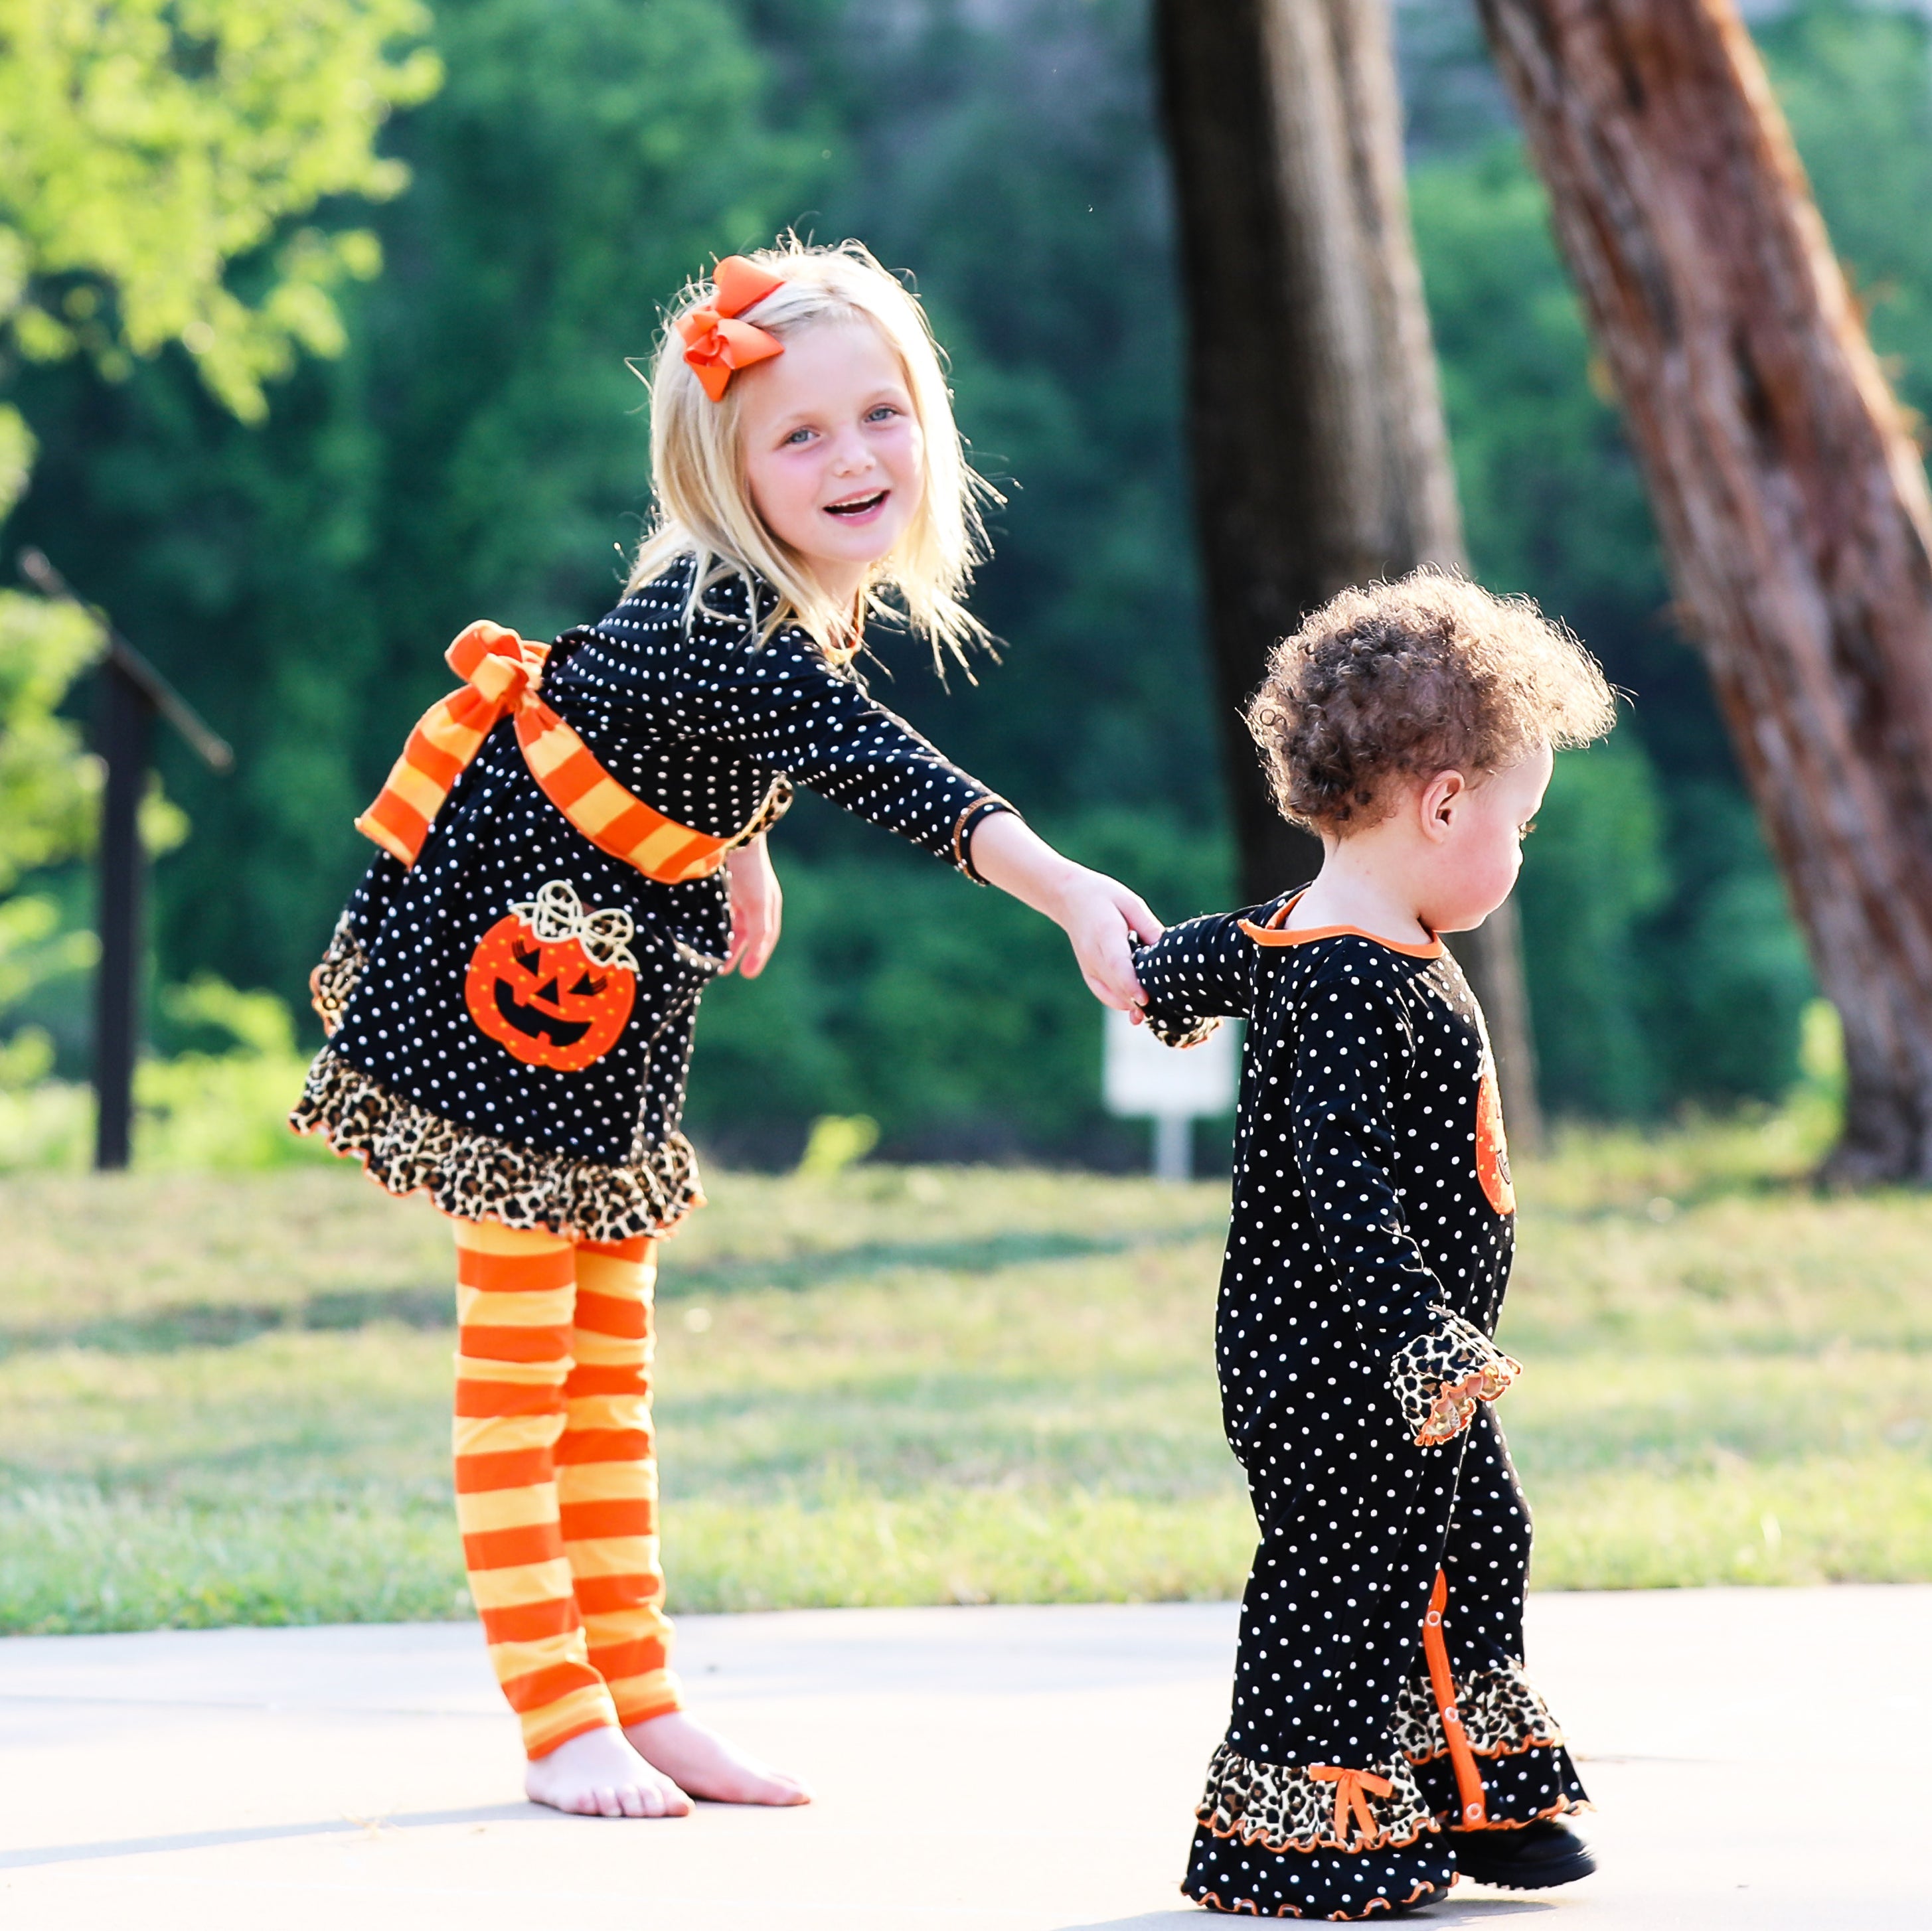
573	845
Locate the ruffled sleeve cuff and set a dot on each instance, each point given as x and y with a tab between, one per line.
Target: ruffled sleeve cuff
1182	1032
1440	1375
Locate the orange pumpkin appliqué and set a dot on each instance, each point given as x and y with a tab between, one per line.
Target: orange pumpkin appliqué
1493	1167
546	1002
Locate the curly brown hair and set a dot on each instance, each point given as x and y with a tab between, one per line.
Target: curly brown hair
1405	679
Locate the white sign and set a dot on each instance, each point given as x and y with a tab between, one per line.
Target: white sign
1141	1078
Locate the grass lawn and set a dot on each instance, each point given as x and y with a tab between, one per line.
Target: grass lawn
223	1399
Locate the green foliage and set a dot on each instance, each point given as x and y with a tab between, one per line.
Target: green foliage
477	450
1855	84
49	787
152	142
1591	872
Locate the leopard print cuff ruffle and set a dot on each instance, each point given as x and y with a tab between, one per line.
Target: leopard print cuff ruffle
1439	1377
1288	1807
473	1176
1170	1034
1502	1715
333	978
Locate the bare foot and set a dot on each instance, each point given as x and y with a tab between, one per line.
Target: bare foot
599	1775
705	1764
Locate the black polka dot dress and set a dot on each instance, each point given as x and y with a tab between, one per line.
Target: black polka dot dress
510	1019
1380	1702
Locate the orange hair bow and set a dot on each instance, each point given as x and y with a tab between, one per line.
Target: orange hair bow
717	345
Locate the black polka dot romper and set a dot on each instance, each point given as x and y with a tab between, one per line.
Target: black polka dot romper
1380	1702
472	1067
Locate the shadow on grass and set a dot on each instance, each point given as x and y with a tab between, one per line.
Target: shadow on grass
183	1324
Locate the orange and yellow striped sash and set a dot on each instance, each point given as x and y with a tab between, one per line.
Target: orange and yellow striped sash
501	673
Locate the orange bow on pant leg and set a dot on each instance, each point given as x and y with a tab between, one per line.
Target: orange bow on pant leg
1353	1788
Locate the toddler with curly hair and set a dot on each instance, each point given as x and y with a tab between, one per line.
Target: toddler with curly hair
1383	1735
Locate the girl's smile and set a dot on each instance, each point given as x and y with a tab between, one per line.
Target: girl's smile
835	457
859	509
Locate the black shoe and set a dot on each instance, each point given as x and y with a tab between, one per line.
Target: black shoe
1533	1858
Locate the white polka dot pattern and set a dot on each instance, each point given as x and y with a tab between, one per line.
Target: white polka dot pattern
698	719
1363	1250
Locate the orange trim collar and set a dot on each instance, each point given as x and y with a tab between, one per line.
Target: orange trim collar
1272	935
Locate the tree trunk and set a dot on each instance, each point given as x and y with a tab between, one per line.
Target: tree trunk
1321	458
1793	503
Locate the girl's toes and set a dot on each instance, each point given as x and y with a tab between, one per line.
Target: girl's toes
608	1805
633	1802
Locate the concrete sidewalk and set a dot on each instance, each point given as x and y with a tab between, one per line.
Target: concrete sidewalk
1757	1757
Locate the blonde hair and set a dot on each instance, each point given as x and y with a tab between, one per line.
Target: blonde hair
704	507
1405	679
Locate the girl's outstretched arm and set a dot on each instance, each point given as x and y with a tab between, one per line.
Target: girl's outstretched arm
1100	916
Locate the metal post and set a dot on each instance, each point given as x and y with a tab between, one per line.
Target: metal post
126	711
1173	1147
133	692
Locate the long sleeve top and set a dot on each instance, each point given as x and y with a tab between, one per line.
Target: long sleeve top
1371	1180
460	1051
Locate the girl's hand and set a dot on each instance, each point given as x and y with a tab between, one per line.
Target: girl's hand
1098	915
758	908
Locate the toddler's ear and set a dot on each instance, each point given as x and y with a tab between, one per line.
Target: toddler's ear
1438	802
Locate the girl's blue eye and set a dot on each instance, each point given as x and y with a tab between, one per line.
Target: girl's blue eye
884	409
798	436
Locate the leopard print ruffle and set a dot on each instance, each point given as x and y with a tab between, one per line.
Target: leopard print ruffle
1500	1709
1282	1808
472	1176
333	979
1182	1036
777	802
1452	1355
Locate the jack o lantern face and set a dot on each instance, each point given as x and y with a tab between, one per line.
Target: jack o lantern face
1493	1167
548	1004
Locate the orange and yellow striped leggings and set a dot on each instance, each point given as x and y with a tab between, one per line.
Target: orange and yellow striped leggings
557	1488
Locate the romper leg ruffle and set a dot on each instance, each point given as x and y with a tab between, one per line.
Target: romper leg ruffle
1313	1841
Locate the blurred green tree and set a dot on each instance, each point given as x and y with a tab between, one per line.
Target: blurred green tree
151	143
478	449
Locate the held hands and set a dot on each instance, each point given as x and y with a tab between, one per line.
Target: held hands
758	908
1100	917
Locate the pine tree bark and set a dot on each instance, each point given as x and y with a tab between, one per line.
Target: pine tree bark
1320	455
1793	503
